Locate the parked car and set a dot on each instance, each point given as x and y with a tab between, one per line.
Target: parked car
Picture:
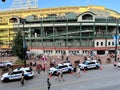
6	64
17	73
89	64
117	64
66	67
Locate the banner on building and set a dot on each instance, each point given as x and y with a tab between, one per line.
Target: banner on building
116	38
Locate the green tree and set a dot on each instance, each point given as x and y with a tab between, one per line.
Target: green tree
17	47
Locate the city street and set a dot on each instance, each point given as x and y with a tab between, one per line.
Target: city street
106	78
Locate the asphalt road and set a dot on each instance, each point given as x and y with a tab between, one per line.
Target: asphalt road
105	79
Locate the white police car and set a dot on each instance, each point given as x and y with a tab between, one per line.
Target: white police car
65	67
17	73
89	64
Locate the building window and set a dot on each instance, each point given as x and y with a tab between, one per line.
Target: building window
108	43
119	42
97	43
13	20
87	17
113	43
101	43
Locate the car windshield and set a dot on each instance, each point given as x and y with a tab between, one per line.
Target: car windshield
28	70
9	73
85	62
70	65
57	67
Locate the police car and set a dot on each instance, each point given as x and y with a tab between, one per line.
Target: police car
17	73
65	67
89	64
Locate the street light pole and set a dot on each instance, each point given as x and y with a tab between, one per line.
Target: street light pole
116	46
116	40
24	45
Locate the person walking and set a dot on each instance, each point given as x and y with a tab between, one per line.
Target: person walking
44	67
22	78
38	68
48	83
61	76
74	70
78	72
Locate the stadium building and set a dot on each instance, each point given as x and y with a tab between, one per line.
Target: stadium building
68	30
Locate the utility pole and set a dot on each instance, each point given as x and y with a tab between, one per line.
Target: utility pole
24	43
116	40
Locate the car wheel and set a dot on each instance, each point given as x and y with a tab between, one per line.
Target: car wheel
6	80
81	69
118	66
26	77
85	68
69	70
97	67
8	66
55	73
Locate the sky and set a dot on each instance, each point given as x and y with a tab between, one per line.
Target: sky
110	4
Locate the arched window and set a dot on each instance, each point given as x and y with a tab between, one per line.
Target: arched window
87	17
13	20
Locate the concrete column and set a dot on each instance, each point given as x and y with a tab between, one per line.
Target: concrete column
54	53
67	53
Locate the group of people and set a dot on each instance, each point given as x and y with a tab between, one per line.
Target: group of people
77	71
40	68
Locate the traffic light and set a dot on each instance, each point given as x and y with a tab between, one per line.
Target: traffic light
3	0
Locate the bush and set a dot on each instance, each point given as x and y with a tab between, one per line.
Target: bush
19	62
4	70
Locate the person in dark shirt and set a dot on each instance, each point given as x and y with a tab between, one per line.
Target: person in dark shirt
22	78
48	83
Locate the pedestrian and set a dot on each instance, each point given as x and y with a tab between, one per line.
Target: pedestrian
22	78
74	70
62	57
31	64
44	67
48	83
115	63
61	76
34	64
78	72
38	68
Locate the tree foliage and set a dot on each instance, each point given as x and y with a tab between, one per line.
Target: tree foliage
17	47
